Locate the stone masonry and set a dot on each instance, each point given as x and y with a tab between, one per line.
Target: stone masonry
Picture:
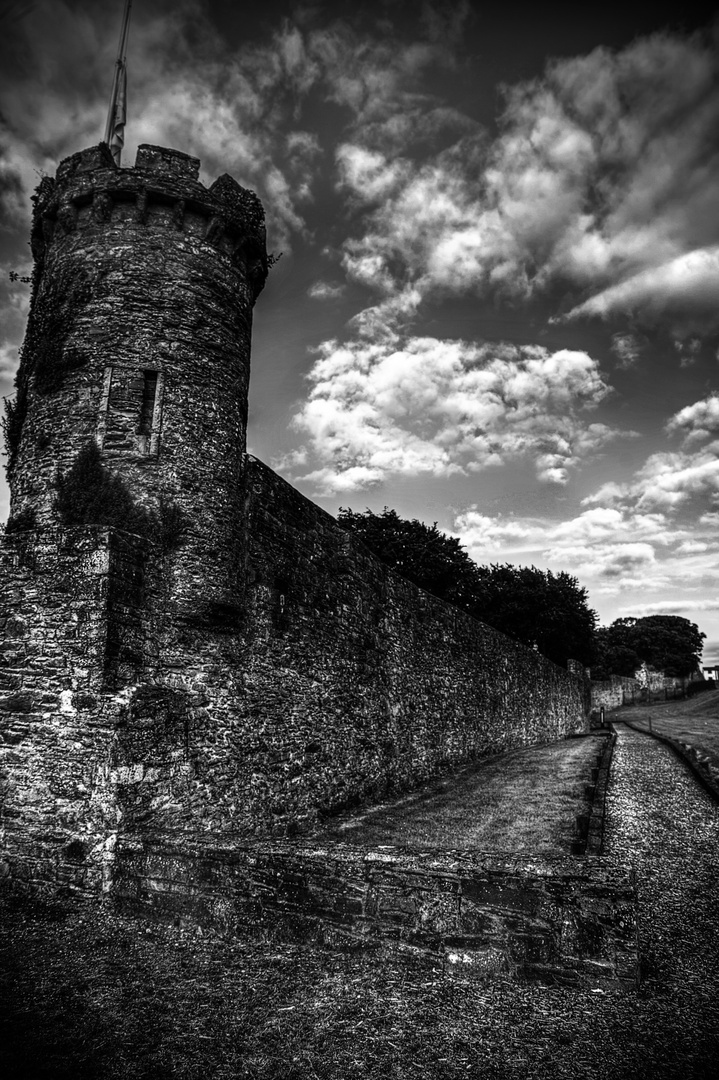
265	668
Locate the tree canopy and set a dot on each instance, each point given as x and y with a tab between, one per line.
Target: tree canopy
668	643
549	612
421	553
543	610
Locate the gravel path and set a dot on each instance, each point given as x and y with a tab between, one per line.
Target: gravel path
661	821
88	995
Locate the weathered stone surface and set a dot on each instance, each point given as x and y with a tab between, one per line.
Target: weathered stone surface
139	338
266	669
552	919
348	683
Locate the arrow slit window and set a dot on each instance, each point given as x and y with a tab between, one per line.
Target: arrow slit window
131	411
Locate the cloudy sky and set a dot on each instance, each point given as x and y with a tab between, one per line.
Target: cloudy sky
497	306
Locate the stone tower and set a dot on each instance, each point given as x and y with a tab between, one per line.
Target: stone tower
138	342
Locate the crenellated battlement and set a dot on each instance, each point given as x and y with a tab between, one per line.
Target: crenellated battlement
162	190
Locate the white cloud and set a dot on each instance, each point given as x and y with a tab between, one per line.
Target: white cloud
669	479
599	177
610	550
8	361
325	290
672	479
684	288
669	607
698	421
627	348
413	405
603	526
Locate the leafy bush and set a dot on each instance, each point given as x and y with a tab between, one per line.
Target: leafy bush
89	494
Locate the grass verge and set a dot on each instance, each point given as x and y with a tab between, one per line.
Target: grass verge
89	995
522	801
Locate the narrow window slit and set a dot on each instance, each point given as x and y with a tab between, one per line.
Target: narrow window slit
149	395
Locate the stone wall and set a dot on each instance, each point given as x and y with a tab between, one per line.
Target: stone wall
559	920
356	681
57	721
646	685
336	681
609	693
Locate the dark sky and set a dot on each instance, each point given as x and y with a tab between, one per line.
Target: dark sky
497	302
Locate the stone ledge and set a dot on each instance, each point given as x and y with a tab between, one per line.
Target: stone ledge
556	920
595	835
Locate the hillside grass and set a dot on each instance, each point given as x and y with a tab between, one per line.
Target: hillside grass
521	801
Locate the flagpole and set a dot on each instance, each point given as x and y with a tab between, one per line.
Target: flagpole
115	125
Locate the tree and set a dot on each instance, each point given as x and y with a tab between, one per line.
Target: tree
543	610
549	612
421	553
614	653
668	643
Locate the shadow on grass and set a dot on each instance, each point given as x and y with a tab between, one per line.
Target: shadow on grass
522	801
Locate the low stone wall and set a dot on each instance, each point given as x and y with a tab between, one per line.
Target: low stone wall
558	920
649	685
598	794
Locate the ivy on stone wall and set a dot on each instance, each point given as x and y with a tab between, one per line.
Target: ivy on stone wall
13	422
90	494
47	337
45	355
22	522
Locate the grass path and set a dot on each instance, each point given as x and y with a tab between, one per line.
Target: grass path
524	800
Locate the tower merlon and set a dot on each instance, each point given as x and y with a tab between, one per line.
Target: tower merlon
165	188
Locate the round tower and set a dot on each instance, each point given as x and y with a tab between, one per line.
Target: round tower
138	347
